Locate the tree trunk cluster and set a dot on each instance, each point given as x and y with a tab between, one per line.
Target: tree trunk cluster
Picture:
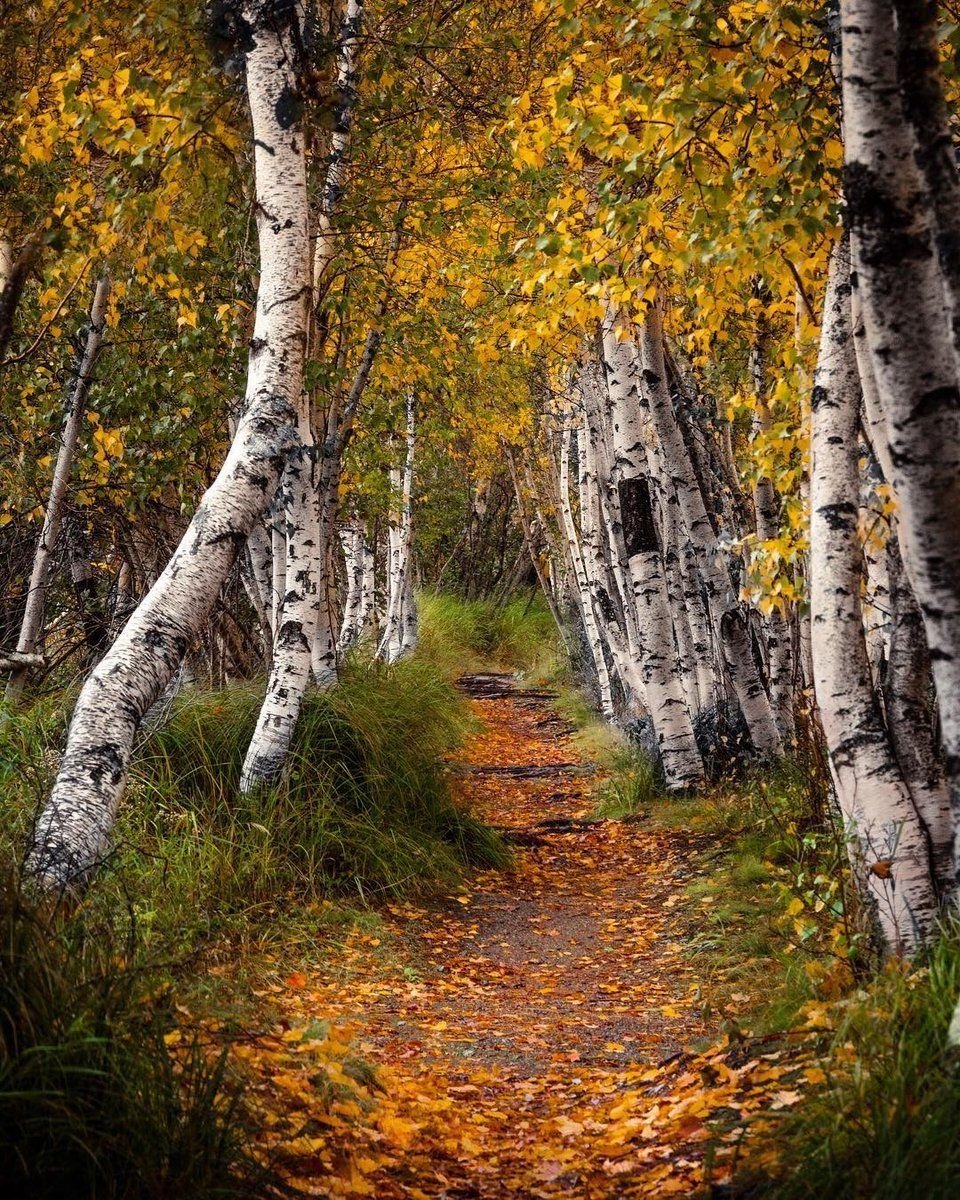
646	557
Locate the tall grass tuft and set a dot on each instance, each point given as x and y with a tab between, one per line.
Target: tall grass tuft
886	1125
364	810
465	635
91	1101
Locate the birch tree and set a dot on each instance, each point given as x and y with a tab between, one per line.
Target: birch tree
734	634
400	626
31	629
889	850
905	297
304	643
72	832
633	521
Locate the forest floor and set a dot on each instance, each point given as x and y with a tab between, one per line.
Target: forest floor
530	1035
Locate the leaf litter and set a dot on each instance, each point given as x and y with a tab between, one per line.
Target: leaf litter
531	1034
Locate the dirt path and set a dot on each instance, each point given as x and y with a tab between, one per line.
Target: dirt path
528	1035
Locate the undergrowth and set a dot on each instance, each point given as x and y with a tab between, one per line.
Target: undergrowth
460	636
783	960
770	921
364	810
92	1102
885	1123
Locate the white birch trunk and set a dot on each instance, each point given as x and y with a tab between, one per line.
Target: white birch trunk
260	574
664	688
734	634
31	628
889	855
351	542
73	831
908	336
336	172
604	554
400	630
298	621
911	720
591	626
601	586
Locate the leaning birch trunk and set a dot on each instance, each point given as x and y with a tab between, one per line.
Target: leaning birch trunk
31	629
648	596
889	852
733	630
591	627
908	336
72	833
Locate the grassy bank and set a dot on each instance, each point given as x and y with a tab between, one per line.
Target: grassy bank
364	810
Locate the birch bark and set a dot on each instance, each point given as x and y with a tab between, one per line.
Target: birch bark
304	641
926	109
889	852
909	339
911	720
351	542
31	628
664	687
72	833
591	625
734	634
400	631
298	622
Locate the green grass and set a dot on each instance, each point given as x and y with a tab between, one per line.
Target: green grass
886	1125
91	1101
632	786
363	812
459	636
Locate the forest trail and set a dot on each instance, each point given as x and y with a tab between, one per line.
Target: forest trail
528	1033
